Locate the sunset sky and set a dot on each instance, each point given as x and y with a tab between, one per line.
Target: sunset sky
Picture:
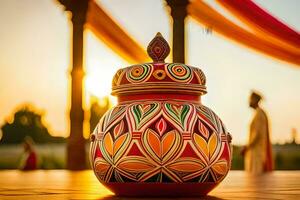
35	57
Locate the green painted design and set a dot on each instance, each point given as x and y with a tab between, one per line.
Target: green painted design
179	72
178	113
139	73
143	113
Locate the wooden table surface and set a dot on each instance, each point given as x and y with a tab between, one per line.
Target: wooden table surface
63	184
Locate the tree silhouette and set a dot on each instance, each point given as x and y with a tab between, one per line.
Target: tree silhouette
97	110
27	122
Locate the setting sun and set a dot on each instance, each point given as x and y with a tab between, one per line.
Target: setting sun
202	89
40	75
101	65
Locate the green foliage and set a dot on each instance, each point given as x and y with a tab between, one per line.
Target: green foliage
27	122
237	159
53	156
50	156
286	157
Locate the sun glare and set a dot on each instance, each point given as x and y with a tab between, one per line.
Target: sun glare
98	84
101	65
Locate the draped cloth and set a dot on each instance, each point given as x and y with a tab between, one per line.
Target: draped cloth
268	35
107	30
258	158
260	19
209	17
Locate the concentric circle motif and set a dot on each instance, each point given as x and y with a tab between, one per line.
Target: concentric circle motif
179	72
139	73
159	74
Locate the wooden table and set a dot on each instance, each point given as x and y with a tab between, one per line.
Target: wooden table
62	184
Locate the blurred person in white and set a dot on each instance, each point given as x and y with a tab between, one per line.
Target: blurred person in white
258	151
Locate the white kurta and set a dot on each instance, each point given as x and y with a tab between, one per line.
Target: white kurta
258	137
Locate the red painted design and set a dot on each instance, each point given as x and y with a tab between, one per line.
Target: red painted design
134	151
189	152
161	126
160	140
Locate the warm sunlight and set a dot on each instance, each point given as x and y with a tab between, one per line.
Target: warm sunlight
206	94
43	58
98	84
101	65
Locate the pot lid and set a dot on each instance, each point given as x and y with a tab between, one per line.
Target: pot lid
158	76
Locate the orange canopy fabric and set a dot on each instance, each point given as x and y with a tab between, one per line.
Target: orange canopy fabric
206	15
113	35
260	26
261	21
118	40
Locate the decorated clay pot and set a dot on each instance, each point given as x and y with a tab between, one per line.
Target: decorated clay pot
160	140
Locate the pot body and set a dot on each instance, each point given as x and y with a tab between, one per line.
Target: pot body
160	148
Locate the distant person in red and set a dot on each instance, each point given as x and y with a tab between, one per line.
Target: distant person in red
29	158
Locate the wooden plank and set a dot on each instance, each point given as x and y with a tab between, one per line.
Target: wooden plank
63	184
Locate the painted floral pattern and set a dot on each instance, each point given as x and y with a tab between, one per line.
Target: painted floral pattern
160	142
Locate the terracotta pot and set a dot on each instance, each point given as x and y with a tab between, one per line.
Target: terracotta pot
160	140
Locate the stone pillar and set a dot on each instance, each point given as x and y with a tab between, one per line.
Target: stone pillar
178	13
76	156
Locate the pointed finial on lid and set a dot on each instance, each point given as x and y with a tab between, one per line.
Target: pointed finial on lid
158	49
